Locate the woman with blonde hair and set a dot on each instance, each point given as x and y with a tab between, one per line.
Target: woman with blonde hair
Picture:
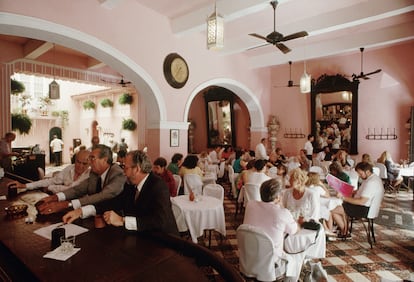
302	202
392	174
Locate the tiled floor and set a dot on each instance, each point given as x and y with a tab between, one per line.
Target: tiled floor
391	259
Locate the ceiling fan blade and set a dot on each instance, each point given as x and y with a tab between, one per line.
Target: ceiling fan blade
294	35
373	72
282	47
258	46
258	36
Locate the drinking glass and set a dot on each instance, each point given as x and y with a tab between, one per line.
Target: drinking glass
67	244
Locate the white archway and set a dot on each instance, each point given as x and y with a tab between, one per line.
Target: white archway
18	25
245	94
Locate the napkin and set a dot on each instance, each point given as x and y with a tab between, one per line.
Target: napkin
59	254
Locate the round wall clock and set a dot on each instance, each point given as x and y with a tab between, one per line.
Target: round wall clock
175	70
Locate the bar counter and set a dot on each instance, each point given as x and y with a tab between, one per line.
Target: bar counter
107	254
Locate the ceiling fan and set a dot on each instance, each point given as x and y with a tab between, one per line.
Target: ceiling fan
275	38
122	82
290	82
362	74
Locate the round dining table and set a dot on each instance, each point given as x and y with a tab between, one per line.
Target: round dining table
204	213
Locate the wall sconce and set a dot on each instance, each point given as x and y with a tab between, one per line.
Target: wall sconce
215	30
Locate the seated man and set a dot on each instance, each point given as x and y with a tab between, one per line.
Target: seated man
70	176
145	206
359	204
270	216
105	181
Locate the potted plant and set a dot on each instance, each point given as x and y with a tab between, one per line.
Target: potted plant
16	87
89	105
45	101
129	124
107	103
125	99
64	116
21	123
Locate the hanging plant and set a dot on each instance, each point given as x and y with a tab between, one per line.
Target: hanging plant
129	124
21	123
125	99
64	116
89	105
16	87
107	103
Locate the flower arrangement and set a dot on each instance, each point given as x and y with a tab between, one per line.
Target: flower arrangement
107	103
21	123
89	105
125	99
129	124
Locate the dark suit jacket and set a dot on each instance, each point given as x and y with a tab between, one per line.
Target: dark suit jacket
86	190
152	209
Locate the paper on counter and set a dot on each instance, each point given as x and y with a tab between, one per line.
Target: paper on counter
58	254
3	197
70	230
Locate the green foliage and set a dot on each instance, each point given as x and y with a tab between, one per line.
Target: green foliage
125	99
16	87
129	124
21	122
107	103
89	105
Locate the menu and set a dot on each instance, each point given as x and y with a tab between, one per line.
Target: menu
342	187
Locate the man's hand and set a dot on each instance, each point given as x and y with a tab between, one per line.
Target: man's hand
112	218
72	216
52	207
17	184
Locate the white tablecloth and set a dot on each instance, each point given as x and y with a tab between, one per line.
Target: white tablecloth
303	240
207	213
406	171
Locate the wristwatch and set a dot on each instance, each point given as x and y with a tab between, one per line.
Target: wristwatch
70	205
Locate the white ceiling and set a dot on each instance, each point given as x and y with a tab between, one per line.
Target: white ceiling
334	27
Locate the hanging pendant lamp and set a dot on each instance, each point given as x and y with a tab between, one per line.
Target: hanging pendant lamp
215	30
305	79
54	88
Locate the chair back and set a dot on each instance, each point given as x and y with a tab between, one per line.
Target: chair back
251	193
222	167
256	253
383	170
212	169
376	170
232	179
193	182
178	180
375	206
214	190
179	217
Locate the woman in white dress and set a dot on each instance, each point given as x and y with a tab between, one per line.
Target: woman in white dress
303	203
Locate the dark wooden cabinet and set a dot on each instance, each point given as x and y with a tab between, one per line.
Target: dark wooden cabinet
28	166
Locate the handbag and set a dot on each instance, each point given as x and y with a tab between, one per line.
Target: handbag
311	225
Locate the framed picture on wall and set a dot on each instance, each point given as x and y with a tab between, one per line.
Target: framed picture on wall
174	137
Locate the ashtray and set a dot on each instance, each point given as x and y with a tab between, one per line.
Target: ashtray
16	210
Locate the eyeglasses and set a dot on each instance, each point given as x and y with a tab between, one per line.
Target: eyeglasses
92	158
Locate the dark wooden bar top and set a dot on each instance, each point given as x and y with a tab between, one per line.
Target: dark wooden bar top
107	254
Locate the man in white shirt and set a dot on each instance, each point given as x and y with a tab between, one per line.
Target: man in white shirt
70	176
56	145
309	147
214	156
260	152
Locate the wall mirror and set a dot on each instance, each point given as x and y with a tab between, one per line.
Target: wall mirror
334	113
220	120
